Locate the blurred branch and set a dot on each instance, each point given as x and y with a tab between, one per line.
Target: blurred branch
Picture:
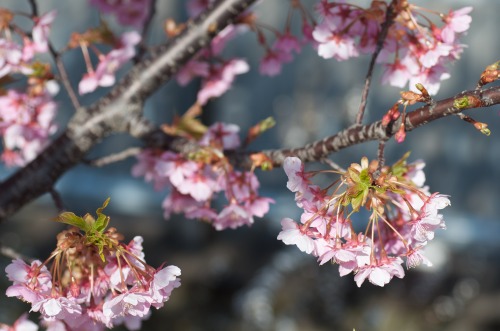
120	156
64	76
13	254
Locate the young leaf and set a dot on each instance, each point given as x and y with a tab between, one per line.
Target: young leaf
71	219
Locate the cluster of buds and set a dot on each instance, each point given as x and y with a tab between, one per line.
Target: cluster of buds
403	218
92	280
196	180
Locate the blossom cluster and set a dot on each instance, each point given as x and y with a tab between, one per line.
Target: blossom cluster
26	116
403	218
94	282
216	72
195	181
416	49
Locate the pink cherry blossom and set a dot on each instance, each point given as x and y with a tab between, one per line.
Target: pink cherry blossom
128	303
128	12
380	273
297	180
415	257
457	21
220	79
332	43
271	63
195	7
192	69
287	43
21	324
232	216
222	135
399	72
292	235
58	308
10	56
41	31
164	281
104	75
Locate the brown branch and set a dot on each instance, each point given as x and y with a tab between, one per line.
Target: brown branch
358	134
64	77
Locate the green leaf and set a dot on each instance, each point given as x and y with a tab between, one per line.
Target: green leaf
71	219
102	220
357	201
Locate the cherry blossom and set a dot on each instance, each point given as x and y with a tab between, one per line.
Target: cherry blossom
413	52
380	273
220	79
27	123
41	31
404	217
104	75
21	324
292	235
195	184
127	12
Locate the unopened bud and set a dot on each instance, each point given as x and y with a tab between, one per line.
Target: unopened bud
422	89
483	127
468	101
401	134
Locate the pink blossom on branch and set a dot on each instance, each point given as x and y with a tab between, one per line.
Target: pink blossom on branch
195	184
104	75
220	79
27	123
394	230
128	12
414	54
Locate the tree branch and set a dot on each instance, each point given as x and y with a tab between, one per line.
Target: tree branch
390	15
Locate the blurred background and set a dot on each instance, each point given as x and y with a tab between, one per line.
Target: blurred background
245	279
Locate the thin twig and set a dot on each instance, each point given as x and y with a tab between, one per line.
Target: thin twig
380	156
145	29
333	165
389	19
133	151
13	254
64	77
56	197
59	64
34	7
